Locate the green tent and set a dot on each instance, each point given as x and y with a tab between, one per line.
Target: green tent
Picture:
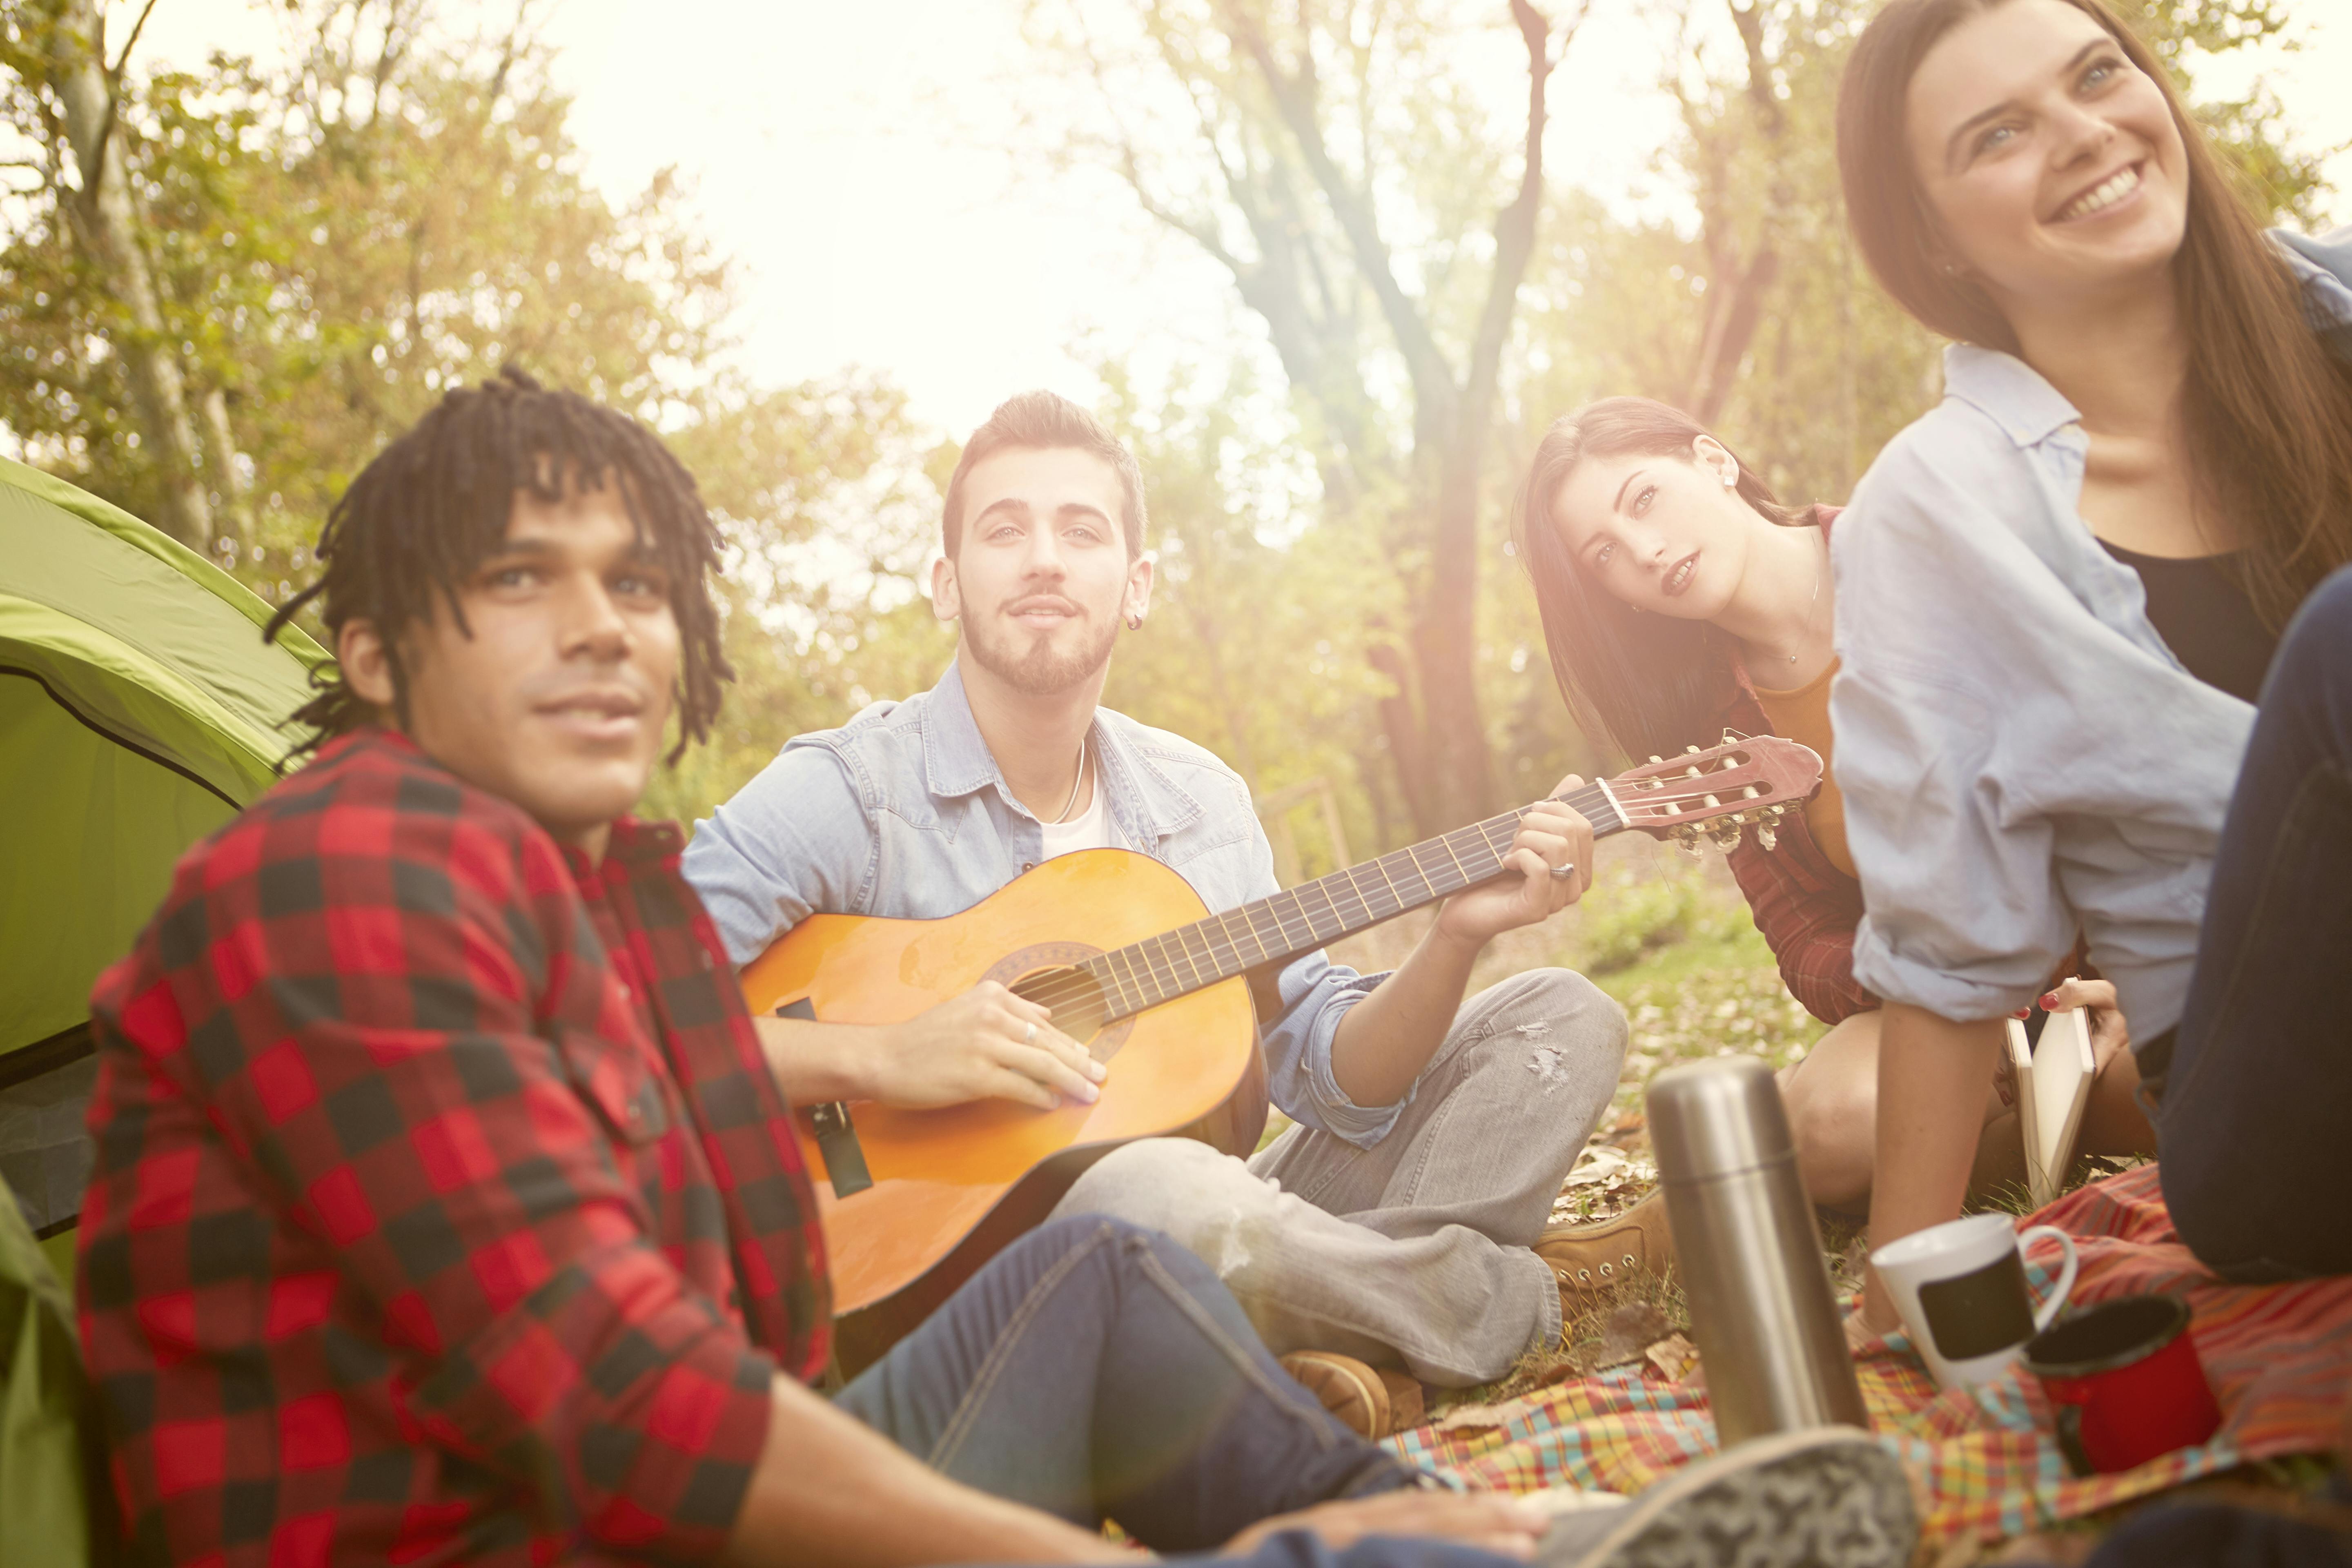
139	709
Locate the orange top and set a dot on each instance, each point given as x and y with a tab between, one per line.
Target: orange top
1803	716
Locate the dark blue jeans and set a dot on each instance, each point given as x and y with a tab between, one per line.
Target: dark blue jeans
2254	1131
1099	1370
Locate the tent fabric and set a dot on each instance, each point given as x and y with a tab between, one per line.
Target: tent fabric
53	1492
139	709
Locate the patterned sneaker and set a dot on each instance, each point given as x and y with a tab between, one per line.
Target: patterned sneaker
1830	1497
1372	1402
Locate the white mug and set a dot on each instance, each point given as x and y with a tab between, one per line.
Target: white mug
1960	1287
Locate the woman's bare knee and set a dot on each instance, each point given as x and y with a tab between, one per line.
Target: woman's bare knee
1832	1103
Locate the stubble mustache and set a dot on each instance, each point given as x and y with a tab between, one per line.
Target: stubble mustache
1040	671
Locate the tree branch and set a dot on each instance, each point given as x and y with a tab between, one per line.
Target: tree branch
114	71
1294	98
114	80
1515	225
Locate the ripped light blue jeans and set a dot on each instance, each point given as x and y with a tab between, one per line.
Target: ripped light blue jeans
1414	1251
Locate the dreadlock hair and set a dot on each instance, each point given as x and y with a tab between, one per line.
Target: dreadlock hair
436	502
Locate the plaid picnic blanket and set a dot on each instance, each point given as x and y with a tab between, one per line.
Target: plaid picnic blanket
2279	1356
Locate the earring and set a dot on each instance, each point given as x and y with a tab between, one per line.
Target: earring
1731	481
1134	623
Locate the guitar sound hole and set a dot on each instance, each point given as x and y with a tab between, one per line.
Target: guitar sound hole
1073	994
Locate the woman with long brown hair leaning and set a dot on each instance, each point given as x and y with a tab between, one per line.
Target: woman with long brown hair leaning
2059	592
1680	599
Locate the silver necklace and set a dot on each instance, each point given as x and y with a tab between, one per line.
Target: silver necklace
1815	603
1079	782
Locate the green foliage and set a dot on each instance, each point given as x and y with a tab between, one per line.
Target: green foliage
1633	919
401	209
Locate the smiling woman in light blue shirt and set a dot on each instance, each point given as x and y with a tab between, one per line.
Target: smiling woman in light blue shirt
2141	374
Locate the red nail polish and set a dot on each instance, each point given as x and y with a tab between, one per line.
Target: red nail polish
2049	1000
2023	1013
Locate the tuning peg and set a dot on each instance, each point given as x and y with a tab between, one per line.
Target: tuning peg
1727	837
1655	758
1767	836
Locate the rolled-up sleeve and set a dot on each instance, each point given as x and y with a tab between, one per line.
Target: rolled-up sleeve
1315	994
796	838
2015	767
1964	916
1809	924
1299	1009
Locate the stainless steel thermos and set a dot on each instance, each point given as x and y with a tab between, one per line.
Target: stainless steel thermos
1761	1308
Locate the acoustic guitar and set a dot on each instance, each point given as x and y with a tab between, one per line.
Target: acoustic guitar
1134	967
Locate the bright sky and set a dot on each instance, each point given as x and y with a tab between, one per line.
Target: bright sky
852	157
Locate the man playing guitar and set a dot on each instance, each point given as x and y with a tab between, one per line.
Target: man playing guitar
1398	1221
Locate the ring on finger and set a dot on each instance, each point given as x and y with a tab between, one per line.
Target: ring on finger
1031	1037
1562	873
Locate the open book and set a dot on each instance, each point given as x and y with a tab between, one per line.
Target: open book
2053	1085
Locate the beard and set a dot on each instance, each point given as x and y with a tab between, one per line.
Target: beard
1031	665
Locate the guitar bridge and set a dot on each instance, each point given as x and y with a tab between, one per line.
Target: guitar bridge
837	1134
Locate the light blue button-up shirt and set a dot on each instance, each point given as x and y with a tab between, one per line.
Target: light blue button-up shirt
2021	753
903	813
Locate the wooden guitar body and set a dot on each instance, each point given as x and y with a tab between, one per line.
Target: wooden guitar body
952	1186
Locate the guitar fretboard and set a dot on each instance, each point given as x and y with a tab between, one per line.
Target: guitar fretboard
1299	919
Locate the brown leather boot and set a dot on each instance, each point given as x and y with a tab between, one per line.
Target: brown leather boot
1370	1401
1588	1258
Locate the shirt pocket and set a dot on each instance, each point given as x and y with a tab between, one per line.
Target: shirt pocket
618	1082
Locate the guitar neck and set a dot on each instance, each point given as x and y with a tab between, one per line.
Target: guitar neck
1299	919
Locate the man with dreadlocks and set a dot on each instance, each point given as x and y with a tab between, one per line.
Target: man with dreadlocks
444	1207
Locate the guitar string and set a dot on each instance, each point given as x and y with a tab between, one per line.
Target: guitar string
1169	981
1225	956
1224	952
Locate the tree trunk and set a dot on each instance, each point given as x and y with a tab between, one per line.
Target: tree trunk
105	223
220	450
1409	750
1444	639
1734	311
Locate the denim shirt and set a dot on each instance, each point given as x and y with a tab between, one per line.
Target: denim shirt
903	813
2021	754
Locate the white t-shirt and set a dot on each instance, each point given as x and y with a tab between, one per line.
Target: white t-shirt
1090	829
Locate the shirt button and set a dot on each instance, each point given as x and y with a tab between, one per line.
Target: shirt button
1028	865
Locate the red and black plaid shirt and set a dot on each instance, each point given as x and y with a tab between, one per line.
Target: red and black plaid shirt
1806	907
445	1209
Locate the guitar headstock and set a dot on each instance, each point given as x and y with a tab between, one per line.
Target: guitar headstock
1746	781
